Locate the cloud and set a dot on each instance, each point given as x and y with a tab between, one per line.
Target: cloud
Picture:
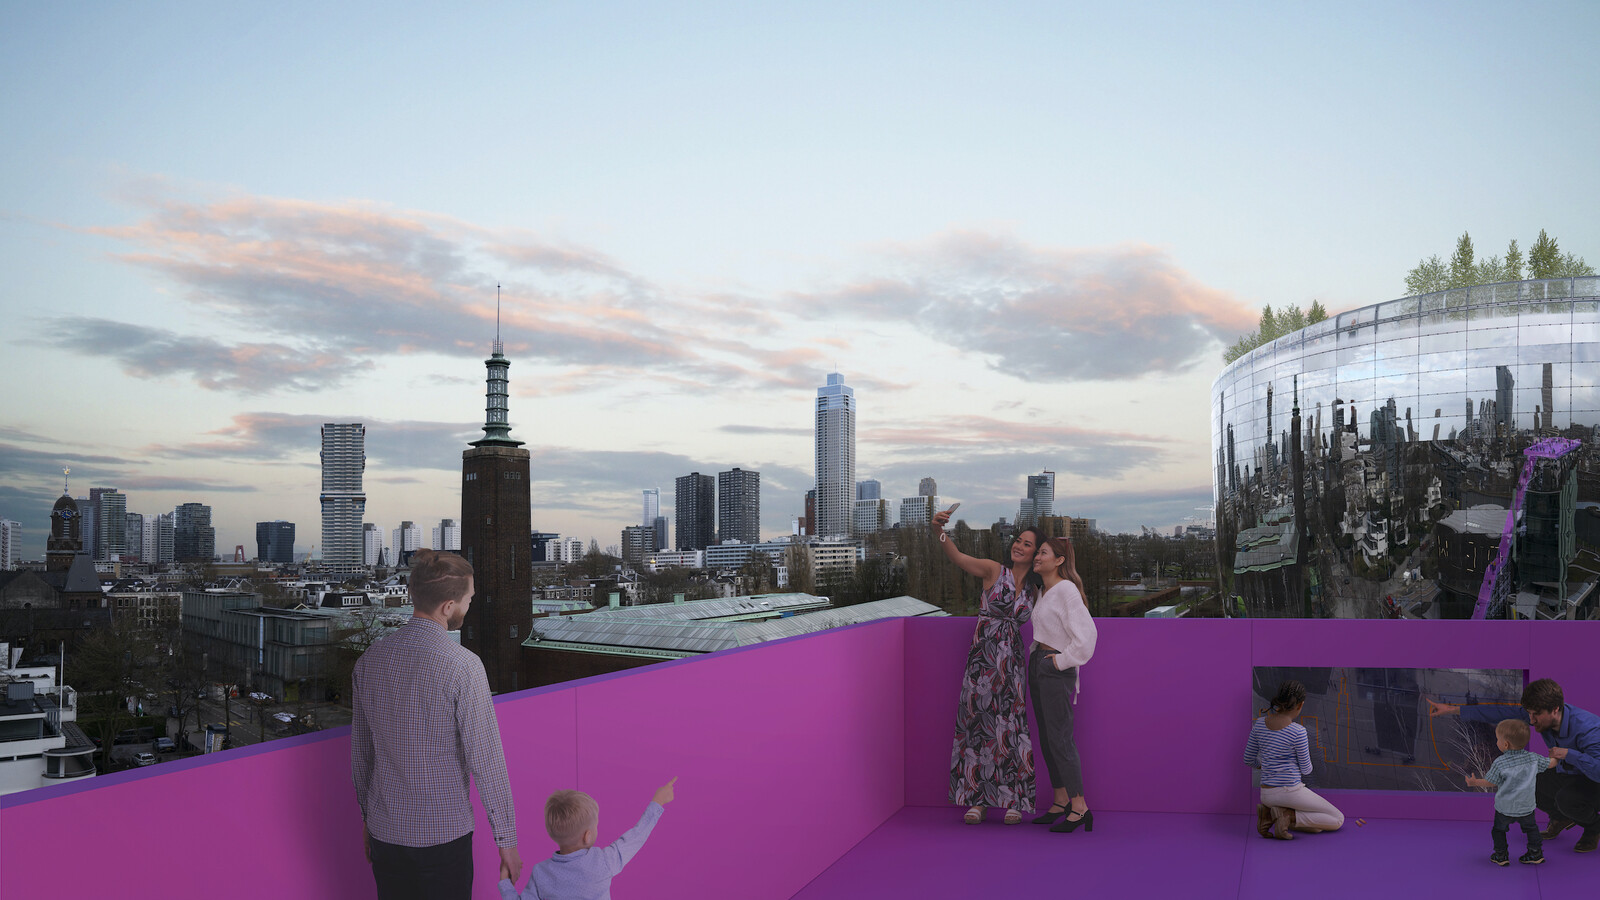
1044	314
249	368
766	429
281	437
20	463
367	281
164	483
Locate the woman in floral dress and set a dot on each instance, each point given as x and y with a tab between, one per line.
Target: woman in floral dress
991	762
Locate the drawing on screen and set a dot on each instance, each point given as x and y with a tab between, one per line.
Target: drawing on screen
1369	728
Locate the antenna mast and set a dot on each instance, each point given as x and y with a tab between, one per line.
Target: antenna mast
498	347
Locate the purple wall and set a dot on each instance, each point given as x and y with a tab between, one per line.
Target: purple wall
1165	705
787	754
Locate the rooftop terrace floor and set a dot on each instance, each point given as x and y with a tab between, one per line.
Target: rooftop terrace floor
924	852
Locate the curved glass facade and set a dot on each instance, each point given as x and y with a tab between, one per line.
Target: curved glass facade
1408	424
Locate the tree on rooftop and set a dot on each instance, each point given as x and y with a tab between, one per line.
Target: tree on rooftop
1463	272
1274	325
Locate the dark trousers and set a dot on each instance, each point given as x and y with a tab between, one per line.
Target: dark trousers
440	872
1571	797
1052	708
1530	828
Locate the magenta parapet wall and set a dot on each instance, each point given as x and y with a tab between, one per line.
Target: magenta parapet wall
788	755
1401	407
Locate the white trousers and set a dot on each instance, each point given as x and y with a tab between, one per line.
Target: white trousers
1311	812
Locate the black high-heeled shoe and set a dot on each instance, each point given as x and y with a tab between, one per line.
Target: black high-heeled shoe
1086	819
1050	815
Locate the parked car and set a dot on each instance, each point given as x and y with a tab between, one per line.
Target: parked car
144	759
165	745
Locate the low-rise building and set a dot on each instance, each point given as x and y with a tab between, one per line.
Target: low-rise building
40	742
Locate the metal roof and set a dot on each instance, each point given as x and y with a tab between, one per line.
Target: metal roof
665	634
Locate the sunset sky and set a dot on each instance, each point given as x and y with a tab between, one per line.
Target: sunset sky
1023	232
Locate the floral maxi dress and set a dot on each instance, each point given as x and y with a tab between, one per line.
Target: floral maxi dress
991	763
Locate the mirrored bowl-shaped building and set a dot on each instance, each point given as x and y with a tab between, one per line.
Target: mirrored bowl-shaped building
1376	462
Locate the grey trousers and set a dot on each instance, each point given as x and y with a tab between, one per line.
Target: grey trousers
1052	707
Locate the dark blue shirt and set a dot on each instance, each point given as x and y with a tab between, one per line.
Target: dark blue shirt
1579	733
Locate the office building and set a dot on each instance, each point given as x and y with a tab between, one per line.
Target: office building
1417	431
111	523
10	544
696	510
447	535
166	537
652	506
193	538
496	520
344	503
371	545
134	537
871	515
638	541
739	505
835	458
927	487
869	489
545	545
917	512
1040	501
407	540
88	521
275	541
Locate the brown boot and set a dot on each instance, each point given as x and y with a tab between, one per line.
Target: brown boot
1282	822
1555	827
1264	816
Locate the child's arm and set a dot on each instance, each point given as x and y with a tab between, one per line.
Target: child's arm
623	849
1302	752
1480	783
508	891
1252	749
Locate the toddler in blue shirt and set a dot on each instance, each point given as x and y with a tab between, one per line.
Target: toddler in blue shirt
578	871
1511	777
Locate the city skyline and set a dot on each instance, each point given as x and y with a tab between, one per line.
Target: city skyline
1019	262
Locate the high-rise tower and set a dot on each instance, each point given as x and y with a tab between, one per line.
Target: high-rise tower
496	520
836	457
344	504
695	505
739	506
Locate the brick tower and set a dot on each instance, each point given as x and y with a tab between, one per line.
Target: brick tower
496	520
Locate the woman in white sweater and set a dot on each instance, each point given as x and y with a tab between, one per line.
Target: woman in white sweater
1063	640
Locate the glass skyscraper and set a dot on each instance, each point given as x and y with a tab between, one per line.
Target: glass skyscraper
836	457
344	504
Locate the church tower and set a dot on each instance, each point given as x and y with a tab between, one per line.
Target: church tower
496	529
66	531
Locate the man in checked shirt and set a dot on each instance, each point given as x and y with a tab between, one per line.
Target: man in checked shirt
423	725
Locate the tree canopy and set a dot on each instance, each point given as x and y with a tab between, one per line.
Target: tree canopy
1275	325
1544	260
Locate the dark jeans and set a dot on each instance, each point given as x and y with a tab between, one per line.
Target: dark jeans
440	872
1571	797
1052	709
1530	828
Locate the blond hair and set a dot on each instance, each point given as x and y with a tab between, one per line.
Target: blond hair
1514	732
568	814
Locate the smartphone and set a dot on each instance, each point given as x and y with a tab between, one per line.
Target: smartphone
953	508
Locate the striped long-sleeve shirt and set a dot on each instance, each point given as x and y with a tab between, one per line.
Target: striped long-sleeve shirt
1283	755
423	724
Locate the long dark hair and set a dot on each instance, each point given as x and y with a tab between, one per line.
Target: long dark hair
1068	567
1031	582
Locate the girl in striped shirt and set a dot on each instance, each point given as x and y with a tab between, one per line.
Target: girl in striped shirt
1278	747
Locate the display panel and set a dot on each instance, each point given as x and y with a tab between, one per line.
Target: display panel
1369	728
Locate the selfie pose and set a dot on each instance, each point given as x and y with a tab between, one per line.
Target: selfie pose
991	762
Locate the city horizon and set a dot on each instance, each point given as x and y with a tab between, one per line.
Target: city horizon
243	225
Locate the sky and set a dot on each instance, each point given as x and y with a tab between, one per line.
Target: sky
1024	234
